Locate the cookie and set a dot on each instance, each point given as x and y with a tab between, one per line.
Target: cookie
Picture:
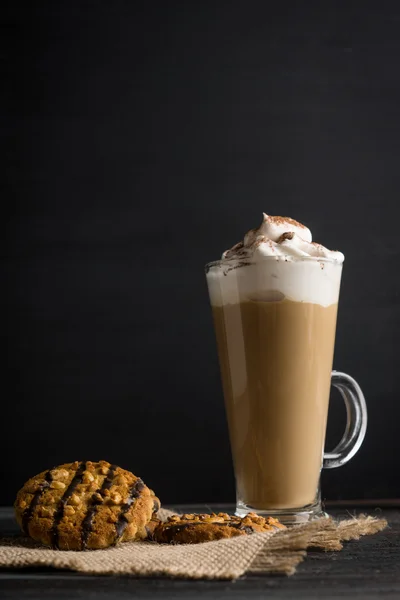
85	505
193	529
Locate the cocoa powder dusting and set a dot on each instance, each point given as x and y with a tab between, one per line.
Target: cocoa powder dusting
284	220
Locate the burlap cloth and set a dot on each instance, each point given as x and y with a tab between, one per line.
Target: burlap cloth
277	552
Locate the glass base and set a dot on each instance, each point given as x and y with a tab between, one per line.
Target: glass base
287	516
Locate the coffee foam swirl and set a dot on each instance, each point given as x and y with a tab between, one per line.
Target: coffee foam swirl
283	238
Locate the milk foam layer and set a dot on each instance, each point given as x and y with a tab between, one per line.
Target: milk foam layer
275	261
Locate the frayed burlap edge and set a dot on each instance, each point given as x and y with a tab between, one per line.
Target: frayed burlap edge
330	538
287	549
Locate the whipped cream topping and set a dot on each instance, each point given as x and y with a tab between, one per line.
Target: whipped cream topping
280	237
300	269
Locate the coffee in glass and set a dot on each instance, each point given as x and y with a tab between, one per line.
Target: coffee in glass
274	300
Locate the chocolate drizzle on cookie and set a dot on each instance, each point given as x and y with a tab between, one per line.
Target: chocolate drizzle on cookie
122	522
58	515
27	516
96	500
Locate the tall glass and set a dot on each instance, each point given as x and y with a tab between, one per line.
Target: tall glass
275	324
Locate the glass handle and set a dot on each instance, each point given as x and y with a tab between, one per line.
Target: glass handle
356	425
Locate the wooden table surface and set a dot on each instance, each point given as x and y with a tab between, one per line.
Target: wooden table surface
368	569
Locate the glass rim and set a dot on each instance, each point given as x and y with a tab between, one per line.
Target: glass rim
284	258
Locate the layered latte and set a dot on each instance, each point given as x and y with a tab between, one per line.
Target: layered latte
274	298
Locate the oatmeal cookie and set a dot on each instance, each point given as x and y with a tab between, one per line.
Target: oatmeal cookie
85	505
193	529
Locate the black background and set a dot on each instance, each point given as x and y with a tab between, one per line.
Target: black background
142	139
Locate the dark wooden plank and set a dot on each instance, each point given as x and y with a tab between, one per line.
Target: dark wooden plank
367	569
